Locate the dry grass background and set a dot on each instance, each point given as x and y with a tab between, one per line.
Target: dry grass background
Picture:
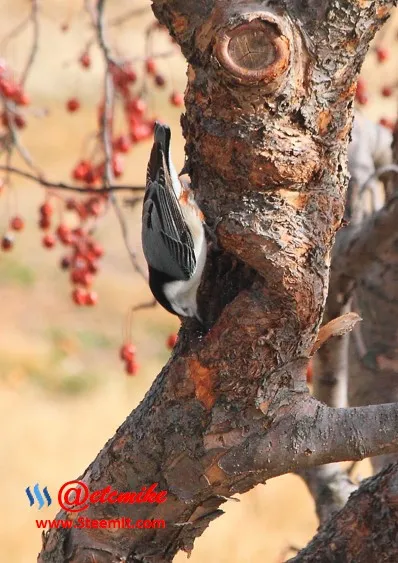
63	392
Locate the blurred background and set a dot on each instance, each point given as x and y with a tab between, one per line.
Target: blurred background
63	389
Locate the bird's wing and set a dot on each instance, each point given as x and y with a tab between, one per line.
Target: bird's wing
166	239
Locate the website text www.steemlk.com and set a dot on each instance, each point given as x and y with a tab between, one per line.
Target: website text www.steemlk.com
117	523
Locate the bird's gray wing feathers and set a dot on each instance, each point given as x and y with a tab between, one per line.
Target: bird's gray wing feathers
166	239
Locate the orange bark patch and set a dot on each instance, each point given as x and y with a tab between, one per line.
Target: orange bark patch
295	199
214	474
324	120
382	11
348	92
203	380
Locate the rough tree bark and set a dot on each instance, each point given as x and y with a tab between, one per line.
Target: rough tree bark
269	104
366	530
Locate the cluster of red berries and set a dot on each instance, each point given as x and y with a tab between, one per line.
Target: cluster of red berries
84	254
15	94
127	355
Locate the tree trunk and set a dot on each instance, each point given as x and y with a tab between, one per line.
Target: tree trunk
269	108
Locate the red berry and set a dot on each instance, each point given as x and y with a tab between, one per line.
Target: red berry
129	72
117	165
64	234
177	99
78	232
132	367
17	223
44	222
127	352
140	132
160	80
362	98
122	144
70	204
93	206
7	242
62	230
48	241
20	97
79	296
7	88
382	54
85	60
389	123
20	121
386	91
72	105
65	263
78	174
150	66
172	340
86	279
361	84
76	276
46	209
91	298
97	250
138	106
89	177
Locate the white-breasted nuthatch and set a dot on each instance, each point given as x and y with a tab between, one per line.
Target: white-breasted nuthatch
173	235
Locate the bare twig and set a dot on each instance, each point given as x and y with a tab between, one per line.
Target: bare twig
62	186
15	32
35	44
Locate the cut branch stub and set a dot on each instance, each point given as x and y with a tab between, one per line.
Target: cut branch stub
254	51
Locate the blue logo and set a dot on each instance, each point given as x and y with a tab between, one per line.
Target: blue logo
38	496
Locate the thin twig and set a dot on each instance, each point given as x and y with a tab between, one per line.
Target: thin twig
62	186
35	44
14	32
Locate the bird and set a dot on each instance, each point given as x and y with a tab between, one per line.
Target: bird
173	232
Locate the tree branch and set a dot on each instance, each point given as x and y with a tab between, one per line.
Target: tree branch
365	530
62	186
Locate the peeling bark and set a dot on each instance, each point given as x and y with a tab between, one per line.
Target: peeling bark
266	144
